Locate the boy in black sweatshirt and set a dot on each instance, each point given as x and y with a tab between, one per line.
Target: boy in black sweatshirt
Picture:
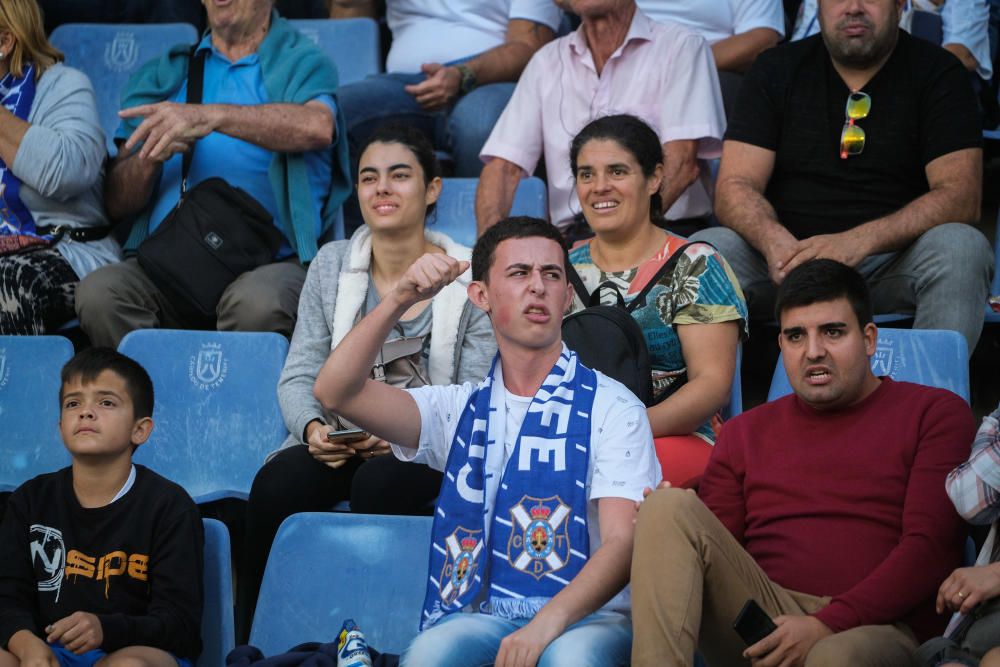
101	562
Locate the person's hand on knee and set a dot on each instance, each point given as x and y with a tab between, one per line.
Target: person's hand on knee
966	587
645	494
789	645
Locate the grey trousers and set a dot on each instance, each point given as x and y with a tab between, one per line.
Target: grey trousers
942	279
120	298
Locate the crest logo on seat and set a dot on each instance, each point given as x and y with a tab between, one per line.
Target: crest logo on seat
208	369
121	53
539	535
887	359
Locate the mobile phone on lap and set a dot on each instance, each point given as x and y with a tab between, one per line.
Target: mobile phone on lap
752	623
346	436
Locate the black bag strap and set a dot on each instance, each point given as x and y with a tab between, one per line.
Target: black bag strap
196	80
640	298
577	282
82	234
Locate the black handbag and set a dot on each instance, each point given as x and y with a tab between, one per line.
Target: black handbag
215	233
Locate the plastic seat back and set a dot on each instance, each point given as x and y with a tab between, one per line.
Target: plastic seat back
109	53
928	25
935	358
455	214
29	407
735	406
325	568
216	412
353	45
218	636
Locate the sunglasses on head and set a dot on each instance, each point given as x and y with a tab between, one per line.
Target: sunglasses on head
852	137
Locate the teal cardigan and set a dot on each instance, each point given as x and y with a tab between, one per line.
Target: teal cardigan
294	71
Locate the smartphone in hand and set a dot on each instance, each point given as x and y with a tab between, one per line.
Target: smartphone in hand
346	436
752	623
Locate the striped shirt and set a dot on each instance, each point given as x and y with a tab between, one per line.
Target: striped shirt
974	486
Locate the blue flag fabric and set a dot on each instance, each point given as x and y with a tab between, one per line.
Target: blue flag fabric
532	529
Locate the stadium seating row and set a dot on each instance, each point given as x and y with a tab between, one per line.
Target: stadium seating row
109	53
216	418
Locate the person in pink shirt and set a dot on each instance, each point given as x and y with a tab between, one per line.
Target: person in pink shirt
617	61
826	506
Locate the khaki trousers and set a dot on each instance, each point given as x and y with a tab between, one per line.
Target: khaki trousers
119	298
690	578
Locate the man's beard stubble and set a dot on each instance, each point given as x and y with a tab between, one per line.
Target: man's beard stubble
862	54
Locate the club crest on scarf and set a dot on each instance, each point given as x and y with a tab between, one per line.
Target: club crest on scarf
539	540
513	522
461	562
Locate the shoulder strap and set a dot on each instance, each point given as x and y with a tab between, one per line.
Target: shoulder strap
196	78
577	282
668	266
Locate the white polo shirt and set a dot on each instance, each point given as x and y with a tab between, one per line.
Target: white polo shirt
442	31
716	20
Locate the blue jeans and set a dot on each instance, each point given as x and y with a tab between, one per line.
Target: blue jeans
942	278
461	129
67	658
603	639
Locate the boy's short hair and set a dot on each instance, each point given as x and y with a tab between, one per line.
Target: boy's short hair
516	227
821	280
90	363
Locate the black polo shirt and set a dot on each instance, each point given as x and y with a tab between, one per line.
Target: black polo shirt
792	102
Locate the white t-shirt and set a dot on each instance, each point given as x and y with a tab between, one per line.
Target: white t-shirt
718	19
443	31
622	458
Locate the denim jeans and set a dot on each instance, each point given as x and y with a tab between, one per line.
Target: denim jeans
461	129
942	278
603	639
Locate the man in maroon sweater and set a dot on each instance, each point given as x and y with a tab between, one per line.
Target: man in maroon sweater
827	507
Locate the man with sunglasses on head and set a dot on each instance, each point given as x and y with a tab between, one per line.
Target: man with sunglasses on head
860	144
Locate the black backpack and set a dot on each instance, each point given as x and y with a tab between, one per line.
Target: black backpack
608	339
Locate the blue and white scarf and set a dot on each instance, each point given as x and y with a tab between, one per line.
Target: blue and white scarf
530	523
17	94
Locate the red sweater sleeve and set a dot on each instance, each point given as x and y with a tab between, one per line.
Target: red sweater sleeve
931	541
721	487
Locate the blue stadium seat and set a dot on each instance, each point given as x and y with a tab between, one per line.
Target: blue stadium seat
352	44
935	358
218	635
109	53
216	416
455	214
927	25
29	407
325	568
735	406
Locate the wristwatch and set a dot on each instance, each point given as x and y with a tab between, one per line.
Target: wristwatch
468	81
